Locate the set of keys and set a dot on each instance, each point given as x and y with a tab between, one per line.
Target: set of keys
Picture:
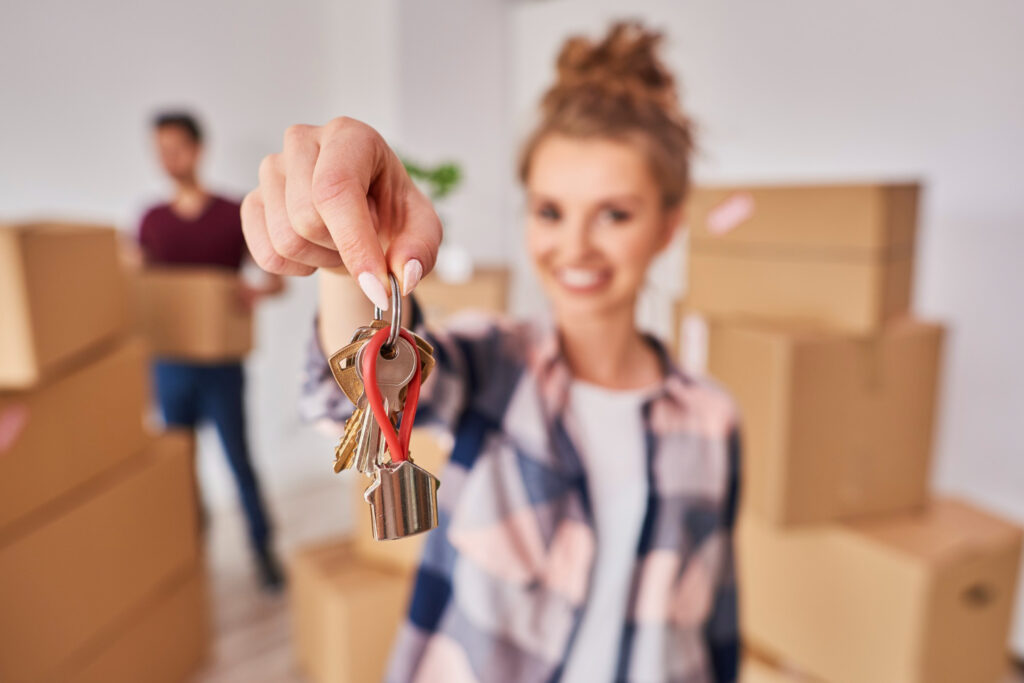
380	371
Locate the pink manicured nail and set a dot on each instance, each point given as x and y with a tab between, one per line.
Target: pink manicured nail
411	274
374	290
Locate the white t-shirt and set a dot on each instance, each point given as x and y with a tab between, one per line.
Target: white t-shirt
613	453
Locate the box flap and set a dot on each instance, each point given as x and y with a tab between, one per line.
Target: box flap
949	529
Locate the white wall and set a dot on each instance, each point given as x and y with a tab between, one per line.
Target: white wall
79	84
804	90
454	105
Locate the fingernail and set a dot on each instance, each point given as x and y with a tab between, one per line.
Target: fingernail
411	274
374	290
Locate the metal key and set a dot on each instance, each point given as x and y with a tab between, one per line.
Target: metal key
393	375
370	444
346	447
345	367
344	362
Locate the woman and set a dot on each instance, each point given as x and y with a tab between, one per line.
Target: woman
586	515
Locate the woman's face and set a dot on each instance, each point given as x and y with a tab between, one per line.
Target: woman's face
595	222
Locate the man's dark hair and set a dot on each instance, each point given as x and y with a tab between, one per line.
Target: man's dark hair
182	120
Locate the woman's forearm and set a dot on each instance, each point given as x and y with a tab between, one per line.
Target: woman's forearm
343	308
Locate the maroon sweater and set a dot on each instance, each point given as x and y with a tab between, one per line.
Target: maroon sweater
213	239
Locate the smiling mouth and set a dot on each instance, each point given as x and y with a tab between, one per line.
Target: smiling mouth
583	280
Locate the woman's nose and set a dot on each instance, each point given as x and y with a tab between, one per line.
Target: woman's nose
576	237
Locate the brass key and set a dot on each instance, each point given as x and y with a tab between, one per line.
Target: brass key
346	447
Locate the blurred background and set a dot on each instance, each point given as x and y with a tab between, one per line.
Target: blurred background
793	92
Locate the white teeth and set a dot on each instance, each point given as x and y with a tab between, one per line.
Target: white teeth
580	277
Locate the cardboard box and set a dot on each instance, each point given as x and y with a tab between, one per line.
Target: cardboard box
77	575
914	598
61	292
346	612
404	553
486	290
834	426
192	313
306	570
71	429
754	669
839	256
164	643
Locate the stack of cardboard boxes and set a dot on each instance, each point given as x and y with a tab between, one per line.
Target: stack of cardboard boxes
100	578
350	596
849	570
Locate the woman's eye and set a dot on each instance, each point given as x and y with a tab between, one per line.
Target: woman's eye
616	215
549	213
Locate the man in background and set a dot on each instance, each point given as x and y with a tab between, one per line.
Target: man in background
199	228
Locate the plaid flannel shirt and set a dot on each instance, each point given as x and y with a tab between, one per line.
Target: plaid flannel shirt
503	580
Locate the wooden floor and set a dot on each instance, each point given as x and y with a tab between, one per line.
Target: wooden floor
252	631
252	640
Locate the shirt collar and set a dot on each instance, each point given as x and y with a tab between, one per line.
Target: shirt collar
554	377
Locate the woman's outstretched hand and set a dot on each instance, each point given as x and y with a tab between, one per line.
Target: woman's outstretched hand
338	195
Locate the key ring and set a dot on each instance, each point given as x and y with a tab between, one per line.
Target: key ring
396	314
398	442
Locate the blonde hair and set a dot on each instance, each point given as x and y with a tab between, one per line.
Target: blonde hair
619	89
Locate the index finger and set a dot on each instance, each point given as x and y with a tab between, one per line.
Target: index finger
350	160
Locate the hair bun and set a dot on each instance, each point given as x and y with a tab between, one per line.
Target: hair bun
618	88
623	64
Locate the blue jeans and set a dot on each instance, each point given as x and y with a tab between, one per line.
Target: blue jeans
189	394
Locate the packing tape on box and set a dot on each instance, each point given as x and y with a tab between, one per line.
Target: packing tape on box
12	424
